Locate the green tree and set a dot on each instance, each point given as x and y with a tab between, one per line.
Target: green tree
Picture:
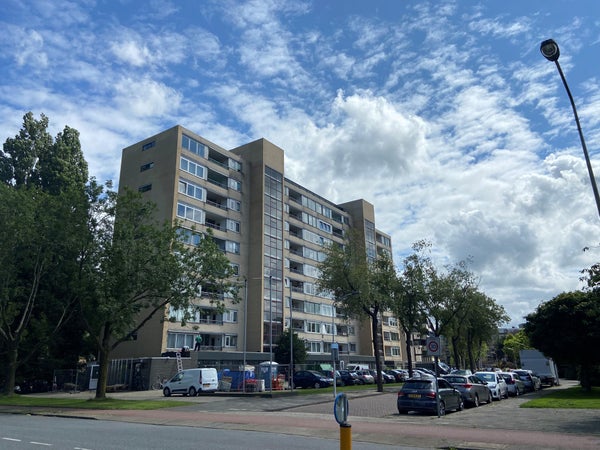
143	266
43	221
409	300
282	351
567	329
362	288
513	344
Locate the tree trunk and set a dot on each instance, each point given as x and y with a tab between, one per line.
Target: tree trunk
585	377
11	368
376	350
104	351
408	352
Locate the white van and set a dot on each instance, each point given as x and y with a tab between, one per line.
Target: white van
356	367
191	382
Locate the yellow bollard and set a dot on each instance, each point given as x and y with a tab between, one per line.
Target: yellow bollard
345	436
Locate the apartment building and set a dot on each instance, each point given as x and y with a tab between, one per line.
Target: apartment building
273	231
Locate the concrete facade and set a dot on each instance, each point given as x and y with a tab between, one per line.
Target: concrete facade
273	230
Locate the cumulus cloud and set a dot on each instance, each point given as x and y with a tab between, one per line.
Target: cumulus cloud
408	108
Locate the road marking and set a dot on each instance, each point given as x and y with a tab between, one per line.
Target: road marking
11	439
40	443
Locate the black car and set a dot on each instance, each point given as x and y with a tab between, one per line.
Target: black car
311	379
419	394
347	378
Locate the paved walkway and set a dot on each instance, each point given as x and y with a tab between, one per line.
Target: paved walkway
373	417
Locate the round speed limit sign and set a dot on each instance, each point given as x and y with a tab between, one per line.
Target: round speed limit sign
433	346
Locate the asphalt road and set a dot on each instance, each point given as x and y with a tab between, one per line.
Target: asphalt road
374	419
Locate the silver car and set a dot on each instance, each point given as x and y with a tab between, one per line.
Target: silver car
471	388
516	386
495	382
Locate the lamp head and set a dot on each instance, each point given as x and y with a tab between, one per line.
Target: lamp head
550	50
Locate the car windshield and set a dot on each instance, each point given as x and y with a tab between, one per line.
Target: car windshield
486	376
456	380
417	384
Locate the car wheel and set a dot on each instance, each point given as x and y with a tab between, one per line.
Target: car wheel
476	401
192	392
517	392
461	404
442	409
317	385
342	383
167	392
490	398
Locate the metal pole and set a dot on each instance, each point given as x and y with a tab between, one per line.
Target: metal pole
270	334
245	333
585	152
291	343
332	352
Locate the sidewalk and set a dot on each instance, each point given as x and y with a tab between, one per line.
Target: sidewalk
486	427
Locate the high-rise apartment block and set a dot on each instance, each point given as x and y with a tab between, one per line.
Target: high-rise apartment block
273	231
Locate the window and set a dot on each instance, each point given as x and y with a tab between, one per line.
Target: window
180	340
188	236
392	322
327	310
235	165
311	271
147	166
192	190
234	184
325	226
191	167
310	289
148	145
193	146
189	212
313	347
230	340
145	188
232	247
234	204
236	268
313	327
312	308
233	225
230	316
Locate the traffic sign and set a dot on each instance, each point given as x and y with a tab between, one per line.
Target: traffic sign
433	346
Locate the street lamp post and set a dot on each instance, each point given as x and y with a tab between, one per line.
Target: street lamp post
271	334
245	333
291	343
550	51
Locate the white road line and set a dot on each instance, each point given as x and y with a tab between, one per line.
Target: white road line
40	443
11	439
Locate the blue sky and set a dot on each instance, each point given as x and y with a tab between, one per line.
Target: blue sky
443	114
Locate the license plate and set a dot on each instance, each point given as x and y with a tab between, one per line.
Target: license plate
414	395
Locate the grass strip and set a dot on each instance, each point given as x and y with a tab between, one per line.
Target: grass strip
575	398
78	403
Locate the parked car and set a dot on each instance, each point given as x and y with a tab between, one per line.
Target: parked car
422	373
420	395
474	391
532	383
365	377
495	382
515	385
399	374
385	377
461	372
311	379
346	378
